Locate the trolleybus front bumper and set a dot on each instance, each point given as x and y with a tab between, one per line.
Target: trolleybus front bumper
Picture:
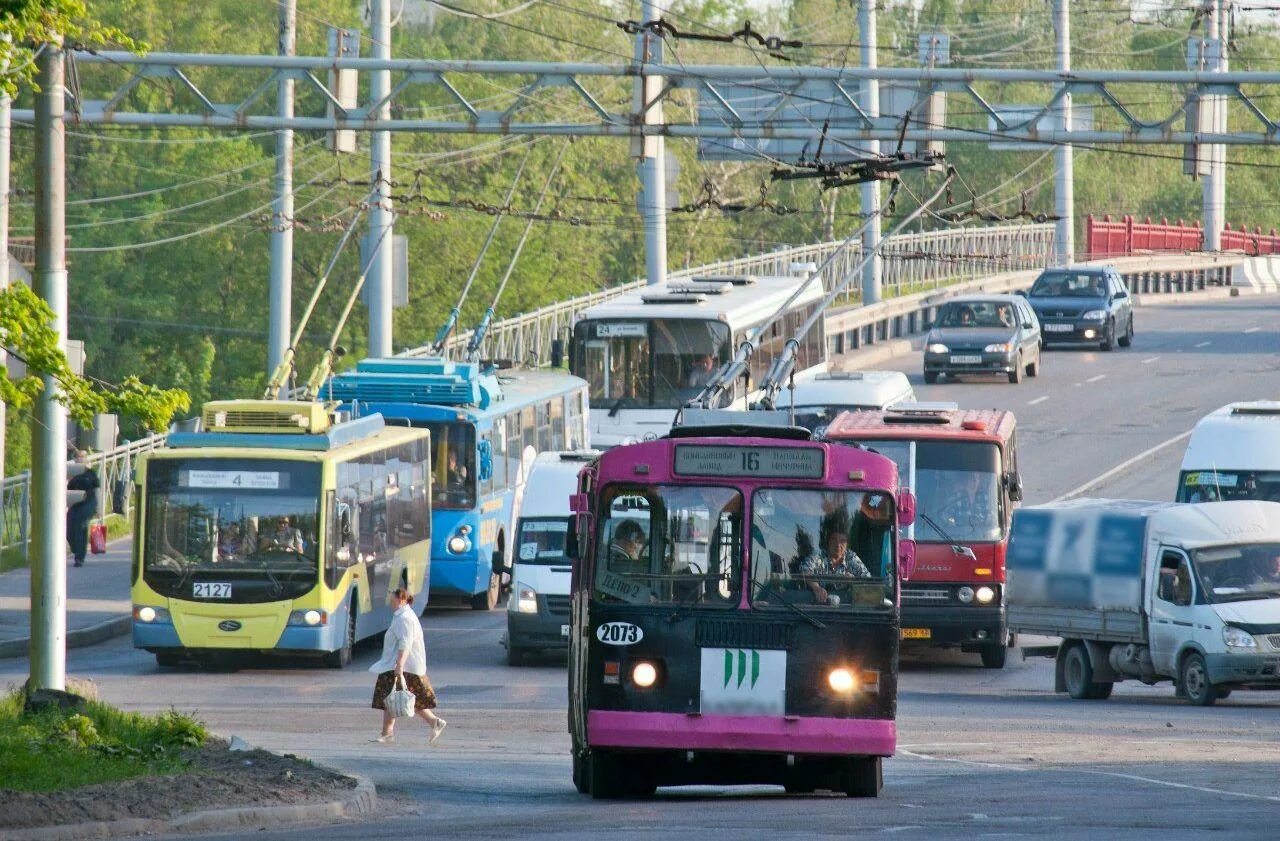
812	736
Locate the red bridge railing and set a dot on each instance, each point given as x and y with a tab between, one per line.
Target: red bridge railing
1107	238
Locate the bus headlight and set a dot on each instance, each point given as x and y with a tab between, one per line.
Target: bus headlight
644	675
148	614
842	680
310	616
527	600
985	595
965	594
459	544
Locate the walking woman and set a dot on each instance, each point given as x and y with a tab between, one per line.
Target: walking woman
404	654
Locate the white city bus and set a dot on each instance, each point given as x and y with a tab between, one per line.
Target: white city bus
646	353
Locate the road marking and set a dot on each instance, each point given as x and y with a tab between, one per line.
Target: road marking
1253	330
1149	360
1122	466
1204	344
1038	400
1095	379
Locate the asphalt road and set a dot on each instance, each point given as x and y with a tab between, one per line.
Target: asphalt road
981	753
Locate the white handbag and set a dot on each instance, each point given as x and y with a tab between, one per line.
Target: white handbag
400	700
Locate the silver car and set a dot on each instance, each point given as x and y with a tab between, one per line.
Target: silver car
983	334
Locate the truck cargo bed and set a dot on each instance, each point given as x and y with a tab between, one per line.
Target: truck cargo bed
1078	623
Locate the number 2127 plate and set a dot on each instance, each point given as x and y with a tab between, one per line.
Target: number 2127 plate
211	590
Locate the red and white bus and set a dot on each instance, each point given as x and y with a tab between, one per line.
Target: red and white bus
962	465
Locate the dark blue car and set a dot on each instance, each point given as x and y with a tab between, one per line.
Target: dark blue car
1083	304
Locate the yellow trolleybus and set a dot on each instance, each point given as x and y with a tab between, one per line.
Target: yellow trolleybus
277	530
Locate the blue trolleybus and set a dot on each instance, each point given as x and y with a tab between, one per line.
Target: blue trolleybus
487	426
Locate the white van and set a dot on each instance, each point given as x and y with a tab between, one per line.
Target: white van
538	610
1234	453
819	399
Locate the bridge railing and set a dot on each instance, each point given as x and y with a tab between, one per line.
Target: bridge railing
1106	237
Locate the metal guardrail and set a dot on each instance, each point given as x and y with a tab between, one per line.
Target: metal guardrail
911	262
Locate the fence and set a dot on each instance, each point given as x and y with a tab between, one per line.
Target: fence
1107	238
911	263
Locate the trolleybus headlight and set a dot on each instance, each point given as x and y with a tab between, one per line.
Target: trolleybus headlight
149	614
842	680
965	594
644	675
985	595
309	616
459	544
527	600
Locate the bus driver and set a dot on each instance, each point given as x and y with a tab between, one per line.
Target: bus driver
835	559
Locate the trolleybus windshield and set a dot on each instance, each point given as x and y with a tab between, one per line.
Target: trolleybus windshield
670	545
654	364
235	530
832	549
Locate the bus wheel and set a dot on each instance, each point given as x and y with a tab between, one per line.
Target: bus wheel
340	658
864	777
580	781
488	600
993	656
167	659
603	776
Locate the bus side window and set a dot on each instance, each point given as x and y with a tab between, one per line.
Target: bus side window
557	422
528	428
514	448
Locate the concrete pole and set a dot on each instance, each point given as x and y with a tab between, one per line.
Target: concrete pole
1064	191
870	189
280	317
49	429
381	218
652	152
6	126
1213	188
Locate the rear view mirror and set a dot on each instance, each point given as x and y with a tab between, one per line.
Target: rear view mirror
1028	325
579	504
906	559
1013	483
906	508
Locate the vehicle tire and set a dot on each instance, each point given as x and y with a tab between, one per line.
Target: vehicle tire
1127	339
1015	376
1033	370
516	656
603	777
580	781
168	659
1108	342
993	655
1223	692
799	785
930	377
488	600
1078	672
1193	680
340	658
864	777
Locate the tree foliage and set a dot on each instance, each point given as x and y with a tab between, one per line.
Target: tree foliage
25	25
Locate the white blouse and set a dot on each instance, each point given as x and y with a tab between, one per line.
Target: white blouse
405	634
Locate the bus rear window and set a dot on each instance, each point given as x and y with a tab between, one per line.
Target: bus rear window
541	540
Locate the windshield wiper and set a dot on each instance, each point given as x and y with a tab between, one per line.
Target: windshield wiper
955	546
794	608
686	604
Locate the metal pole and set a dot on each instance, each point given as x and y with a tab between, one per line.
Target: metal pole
49	428
1213	191
381	218
1064	196
870	189
651	150
5	129
280	317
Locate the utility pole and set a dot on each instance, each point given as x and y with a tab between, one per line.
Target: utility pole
280	313
381	218
1214	187
1064	191
651	149
870	189
49	427
6	127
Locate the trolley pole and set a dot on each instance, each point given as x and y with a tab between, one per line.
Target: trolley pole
1064	196
870	189
280	317
381	219
1214	187
49	430
651	150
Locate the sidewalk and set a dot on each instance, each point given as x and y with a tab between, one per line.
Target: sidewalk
98	605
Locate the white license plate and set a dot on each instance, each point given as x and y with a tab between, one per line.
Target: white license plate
965	360
564	631
1059	328
211	590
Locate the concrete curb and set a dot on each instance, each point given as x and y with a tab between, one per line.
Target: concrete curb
79	638
362	801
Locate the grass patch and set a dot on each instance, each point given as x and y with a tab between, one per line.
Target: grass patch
12	558
55	750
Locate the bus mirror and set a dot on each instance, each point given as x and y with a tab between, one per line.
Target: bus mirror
578	503
1014	484
571	542
557	353
485	450
906	508
906	559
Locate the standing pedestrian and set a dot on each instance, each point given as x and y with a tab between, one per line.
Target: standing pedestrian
80	513
404	655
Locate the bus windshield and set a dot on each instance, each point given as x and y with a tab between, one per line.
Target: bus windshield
453	464
670	545
541	541
648	364
958	488
240	530
826	548
1221	485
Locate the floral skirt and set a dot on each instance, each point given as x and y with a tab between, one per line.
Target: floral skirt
424	695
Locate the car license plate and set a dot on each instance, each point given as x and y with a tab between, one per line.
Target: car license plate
211	590
916	633
564	631
1059	328
965	360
